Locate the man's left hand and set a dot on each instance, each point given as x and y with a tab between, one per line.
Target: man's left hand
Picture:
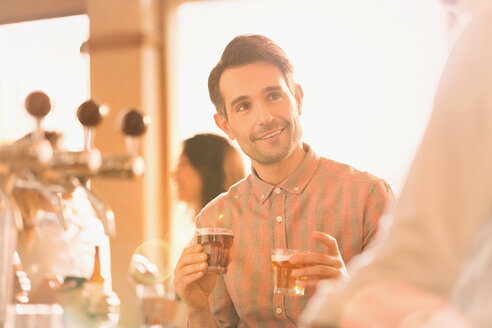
320	266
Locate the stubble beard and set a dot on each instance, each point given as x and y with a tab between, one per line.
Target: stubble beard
282	152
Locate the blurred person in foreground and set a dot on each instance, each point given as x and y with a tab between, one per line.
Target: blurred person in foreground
292	199
434	268
208	166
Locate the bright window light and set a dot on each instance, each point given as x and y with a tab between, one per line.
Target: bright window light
43	55
368	70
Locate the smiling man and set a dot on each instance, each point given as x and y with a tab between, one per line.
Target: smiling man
293	199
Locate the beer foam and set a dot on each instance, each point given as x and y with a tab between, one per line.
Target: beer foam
214	231
280	257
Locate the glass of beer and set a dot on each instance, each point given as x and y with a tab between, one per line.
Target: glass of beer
283	281
217	243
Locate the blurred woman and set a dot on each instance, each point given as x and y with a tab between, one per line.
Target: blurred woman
208	166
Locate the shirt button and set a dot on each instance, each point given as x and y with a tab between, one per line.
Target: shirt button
279	219
278	310
278	190
262	196
296	188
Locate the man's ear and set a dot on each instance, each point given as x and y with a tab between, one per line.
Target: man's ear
299	94
223	124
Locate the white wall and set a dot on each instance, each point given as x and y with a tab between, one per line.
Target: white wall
368	70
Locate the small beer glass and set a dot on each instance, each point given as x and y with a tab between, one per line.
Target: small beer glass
284	282
217	243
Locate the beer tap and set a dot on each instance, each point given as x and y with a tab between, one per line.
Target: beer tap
130	164
39	180
90	115
115	166
134	125
87	162
38	104
31	182
32	154
118	166
33	151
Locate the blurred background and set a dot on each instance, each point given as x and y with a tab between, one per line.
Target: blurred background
368	70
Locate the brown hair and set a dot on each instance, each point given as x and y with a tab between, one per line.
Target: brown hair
247	49
217	161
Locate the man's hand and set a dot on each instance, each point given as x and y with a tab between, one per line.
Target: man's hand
192	284
328	265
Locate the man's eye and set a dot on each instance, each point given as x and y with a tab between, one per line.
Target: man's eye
273	96
242	107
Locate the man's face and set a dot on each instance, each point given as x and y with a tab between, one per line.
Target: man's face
263	114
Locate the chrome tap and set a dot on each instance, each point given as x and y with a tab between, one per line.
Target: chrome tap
52	196
10	223
36	163
130	164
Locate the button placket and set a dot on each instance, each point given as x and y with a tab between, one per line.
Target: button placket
278	217
278	213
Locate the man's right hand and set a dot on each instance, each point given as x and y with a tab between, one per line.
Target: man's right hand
191	282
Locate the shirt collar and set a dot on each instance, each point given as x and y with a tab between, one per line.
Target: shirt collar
294	184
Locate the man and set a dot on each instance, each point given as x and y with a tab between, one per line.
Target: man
434	269
293	198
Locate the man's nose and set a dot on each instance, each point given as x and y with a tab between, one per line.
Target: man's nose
264	114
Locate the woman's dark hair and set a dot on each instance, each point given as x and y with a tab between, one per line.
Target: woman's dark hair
217	161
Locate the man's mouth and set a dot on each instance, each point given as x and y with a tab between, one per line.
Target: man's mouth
271	134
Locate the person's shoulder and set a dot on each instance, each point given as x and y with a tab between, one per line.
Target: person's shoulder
227	199
240	188
366	183
343	171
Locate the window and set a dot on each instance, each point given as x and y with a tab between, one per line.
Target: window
44	55
368	70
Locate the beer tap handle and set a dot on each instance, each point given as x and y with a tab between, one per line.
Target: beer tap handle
82	163
34	149
38	104
130	164
134	125
89	115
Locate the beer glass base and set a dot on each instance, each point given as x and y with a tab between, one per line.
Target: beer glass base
217	269
288	291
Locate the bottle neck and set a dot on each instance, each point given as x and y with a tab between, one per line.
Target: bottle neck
96	275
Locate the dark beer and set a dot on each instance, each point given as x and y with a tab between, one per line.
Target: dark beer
284	282
217	243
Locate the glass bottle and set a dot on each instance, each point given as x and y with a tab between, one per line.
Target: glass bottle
95	287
